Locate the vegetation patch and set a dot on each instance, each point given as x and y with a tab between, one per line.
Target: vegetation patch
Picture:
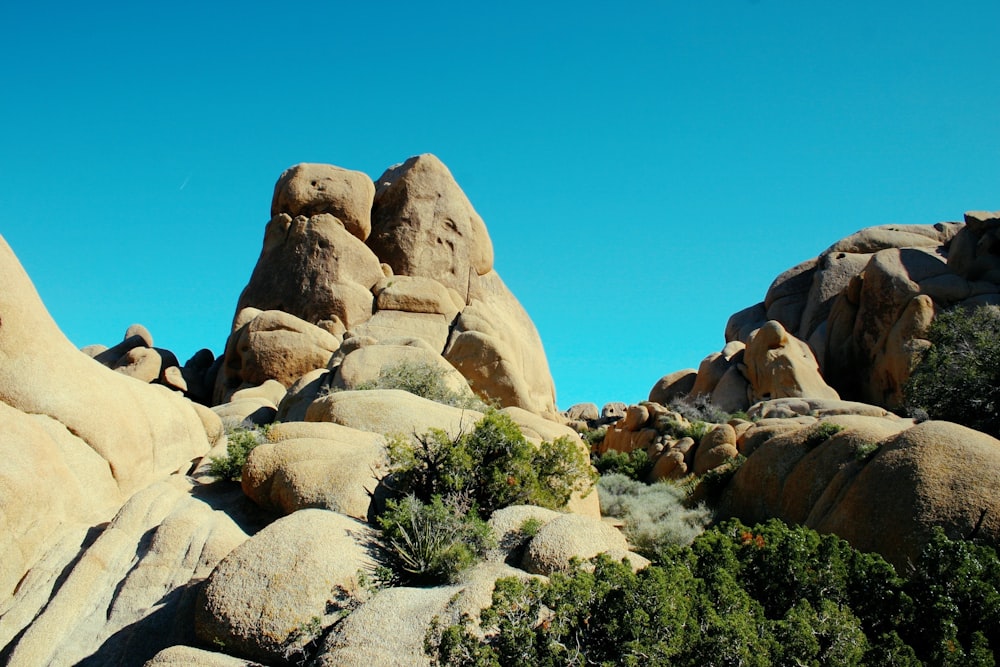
654	516
240	441
494	465
423	379
821	433
959	377
760	596
634	465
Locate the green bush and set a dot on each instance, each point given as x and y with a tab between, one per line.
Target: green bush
634	465
494	465
240	441
423	379
654	515
433	542
767	595
700	408
959	377
820	433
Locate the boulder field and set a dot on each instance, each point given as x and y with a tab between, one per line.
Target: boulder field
122	548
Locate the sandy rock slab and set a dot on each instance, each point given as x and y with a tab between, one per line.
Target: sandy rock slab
120	593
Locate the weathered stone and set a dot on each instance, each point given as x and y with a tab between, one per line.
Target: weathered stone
567	537
313	189
258	597
414	294
583	412
674	385
390	411
716	447
423	225
778	365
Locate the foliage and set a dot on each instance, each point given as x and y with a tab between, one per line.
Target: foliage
700	408
494	466
765	595
433	542
530	526
654	515
820	433
240	441
959	377
423	379
866	451
709	487
594	436
634	465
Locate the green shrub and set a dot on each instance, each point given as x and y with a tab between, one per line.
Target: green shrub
594	436
433	542
766	595
654	515
959	377
699	408
240	441
494	465
423	379
634	465
820	433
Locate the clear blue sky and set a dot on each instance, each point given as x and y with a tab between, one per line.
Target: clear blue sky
644	170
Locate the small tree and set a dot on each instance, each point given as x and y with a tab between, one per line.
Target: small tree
959	377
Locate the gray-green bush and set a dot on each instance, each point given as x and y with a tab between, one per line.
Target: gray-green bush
655	518
423	379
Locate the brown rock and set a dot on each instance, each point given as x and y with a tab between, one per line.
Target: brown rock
315	269
414	294
313	189
674	385
716	447
778	365
272	345
423	225
142	363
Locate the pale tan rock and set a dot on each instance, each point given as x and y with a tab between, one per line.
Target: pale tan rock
744	322
272	345
583	412
714	367
142	363
247	410
507	525
142	431
188	656
314	269
613	410
883	237
415	294
423	225
778	365
674	385
173	378
567	537
140	331
275	582
635	417
339	472
784	408
496	346
390	412
120	595
387	325
834	272
312	189
902	350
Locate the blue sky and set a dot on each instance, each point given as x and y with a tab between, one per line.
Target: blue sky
644	170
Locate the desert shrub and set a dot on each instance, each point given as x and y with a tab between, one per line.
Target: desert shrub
423	379
700	408
820	433
762	595
240	441
654	515
594	436
866	451
433	542
634	465
494	465
959	377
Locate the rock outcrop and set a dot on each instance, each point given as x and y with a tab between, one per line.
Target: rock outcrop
406	258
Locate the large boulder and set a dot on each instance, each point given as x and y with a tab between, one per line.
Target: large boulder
390	412
313	189
271	345
336	468
571	536
496	346
266	591
423	225
315	269
880	483
142	431
778	365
